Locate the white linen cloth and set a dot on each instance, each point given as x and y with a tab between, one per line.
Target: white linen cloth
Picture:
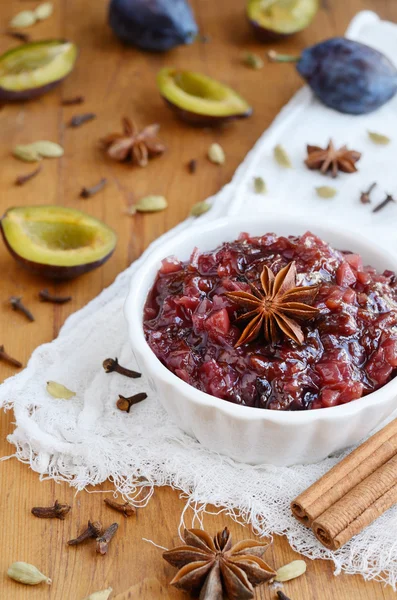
86	440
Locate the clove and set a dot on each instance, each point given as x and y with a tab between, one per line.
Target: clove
125	404
8	359
58	511
87	192
192	166
365	196
389	198
112	364
16	303
78	120
102	542
126	509
94	530
281	595
72	101
18	35
21	179
46	296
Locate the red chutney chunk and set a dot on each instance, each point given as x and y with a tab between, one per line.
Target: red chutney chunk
350	348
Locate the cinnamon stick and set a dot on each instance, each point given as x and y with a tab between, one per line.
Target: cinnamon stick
359	508
346	475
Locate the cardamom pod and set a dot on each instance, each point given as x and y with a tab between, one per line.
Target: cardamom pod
25	18
324	191
57	390
259	185
253	60
216	154
26	153
43	11
282	157
26	573
102	595
47	149
151	204
200	208
294	569
379	138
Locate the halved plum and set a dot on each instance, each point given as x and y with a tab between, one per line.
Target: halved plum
200	100
273	19
56	242
33	69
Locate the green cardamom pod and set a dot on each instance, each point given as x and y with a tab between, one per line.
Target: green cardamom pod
324	191
259	185
43	11
253	60
26	153
200	208
294	569
57	390
379	138
282	157
216	154
25	18
26	573
151	204
102	595
47	149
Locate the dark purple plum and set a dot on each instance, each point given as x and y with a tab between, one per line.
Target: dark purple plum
345	75
155	25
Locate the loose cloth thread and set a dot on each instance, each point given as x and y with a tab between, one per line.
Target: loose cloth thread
86	440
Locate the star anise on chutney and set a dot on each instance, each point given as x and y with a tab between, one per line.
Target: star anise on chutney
330	159
133	145
277	307
215	568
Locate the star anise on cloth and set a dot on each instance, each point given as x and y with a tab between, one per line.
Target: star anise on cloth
214	567
132	145
277	307
330	159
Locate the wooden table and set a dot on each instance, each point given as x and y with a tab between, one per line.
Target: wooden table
118	81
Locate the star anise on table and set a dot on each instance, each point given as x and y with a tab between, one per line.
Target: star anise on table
215	568
132	145
277	307
330	159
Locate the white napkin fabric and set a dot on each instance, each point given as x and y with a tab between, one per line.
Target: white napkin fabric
86	440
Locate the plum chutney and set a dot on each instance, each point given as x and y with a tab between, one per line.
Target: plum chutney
349	350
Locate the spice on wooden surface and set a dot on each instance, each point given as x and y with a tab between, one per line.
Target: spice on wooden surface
281	595
9	359
125	508
87	192
192	166
22	179
18	35
16	304
79	120
94	530
112	365
102	542
73	101
46	296
58	511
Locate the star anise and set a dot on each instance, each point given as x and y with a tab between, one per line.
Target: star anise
133	145
330	159
277	308
214	567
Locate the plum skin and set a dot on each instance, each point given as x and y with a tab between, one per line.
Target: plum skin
154	25
348	76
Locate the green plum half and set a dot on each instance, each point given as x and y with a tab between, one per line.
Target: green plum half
274	19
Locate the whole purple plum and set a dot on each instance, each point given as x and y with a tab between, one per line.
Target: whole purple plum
346	75
155	25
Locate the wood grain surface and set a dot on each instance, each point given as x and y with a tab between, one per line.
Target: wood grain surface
119	81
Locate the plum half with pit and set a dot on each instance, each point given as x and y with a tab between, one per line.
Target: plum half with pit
275	19
35	68
200	100
56	242
155	25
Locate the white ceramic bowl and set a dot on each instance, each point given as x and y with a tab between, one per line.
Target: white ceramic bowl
255	435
